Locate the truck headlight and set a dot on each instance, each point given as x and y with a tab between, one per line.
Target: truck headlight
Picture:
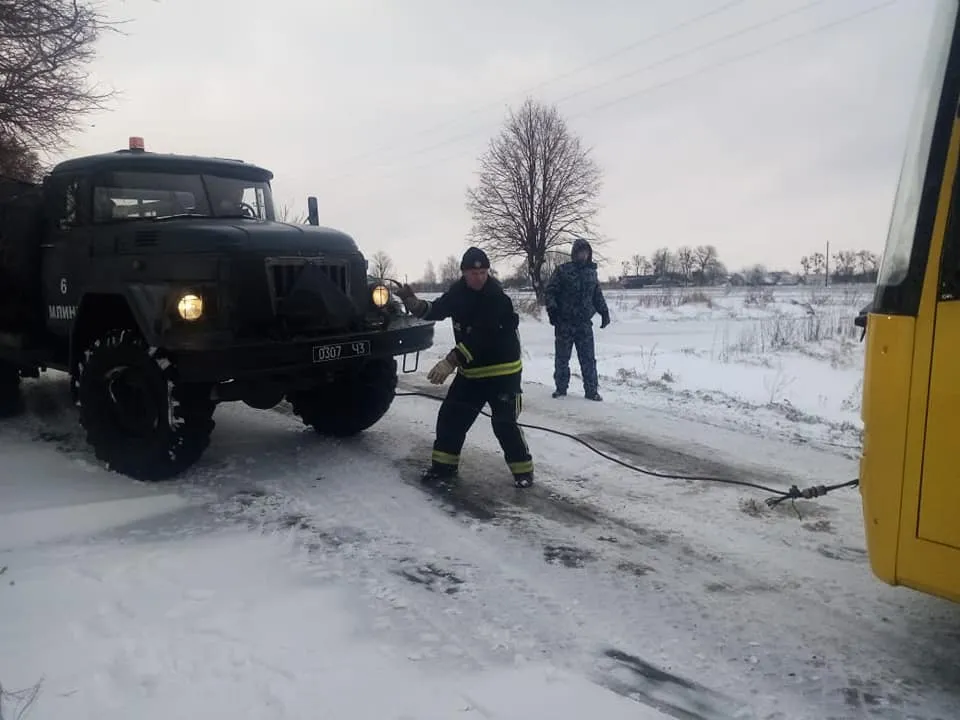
380	295
190	306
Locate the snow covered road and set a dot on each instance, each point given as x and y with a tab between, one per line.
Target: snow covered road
365	596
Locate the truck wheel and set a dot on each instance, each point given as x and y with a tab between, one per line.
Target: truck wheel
138	419
353	403
11	402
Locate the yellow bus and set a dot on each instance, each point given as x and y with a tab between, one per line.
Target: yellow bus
909	476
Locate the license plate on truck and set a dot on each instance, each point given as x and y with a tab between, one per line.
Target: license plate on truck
340	351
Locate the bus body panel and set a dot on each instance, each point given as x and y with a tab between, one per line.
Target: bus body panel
886	397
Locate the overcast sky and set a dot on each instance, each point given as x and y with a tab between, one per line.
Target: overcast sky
381	108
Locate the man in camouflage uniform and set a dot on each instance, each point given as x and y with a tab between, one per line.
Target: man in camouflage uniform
573	297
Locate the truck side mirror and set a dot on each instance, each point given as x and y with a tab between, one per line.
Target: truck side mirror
313	214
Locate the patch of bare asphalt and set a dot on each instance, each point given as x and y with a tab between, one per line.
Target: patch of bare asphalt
649	456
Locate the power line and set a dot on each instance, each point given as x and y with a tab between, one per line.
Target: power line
737	58
649	89
717	41
472	133
556	78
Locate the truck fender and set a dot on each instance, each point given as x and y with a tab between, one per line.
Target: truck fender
139	306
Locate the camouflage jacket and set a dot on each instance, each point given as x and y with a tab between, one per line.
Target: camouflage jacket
573	295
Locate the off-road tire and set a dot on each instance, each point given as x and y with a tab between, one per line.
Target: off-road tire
11	401
353	403
167	450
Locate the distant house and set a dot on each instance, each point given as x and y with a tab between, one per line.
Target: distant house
766	279
629	282
670	279
814	278
785	278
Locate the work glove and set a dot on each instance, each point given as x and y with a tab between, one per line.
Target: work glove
411	302
440	372
604	321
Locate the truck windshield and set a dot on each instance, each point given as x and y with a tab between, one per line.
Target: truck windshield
139	195
903	222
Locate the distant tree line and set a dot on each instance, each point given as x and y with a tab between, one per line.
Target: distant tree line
847	266
687	266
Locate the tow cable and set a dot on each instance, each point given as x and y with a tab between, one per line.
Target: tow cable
776	496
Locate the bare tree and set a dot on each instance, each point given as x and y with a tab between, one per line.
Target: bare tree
639	264
625	268
715	272
662	262
536	191
755	274
552	260
868	262
15	704
450	270
430	275
685	262
705	259
18	162
45	46
846	263
381	265
286	215
819	262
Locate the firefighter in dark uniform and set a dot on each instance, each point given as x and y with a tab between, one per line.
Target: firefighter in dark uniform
488	368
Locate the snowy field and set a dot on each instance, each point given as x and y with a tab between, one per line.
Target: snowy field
288	576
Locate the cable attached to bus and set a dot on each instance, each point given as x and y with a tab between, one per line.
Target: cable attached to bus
777	495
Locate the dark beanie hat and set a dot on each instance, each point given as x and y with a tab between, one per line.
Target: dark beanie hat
474	258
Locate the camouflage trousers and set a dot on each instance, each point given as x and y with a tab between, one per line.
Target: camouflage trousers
565	338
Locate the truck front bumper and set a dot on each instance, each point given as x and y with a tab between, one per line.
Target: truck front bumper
217	360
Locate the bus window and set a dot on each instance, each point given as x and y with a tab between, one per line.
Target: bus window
902	267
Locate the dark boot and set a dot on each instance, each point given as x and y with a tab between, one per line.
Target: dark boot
593	395
438	475
523	480
559	393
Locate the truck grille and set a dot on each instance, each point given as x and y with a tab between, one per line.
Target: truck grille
282	274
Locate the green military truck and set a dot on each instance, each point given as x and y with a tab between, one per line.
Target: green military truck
164	284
